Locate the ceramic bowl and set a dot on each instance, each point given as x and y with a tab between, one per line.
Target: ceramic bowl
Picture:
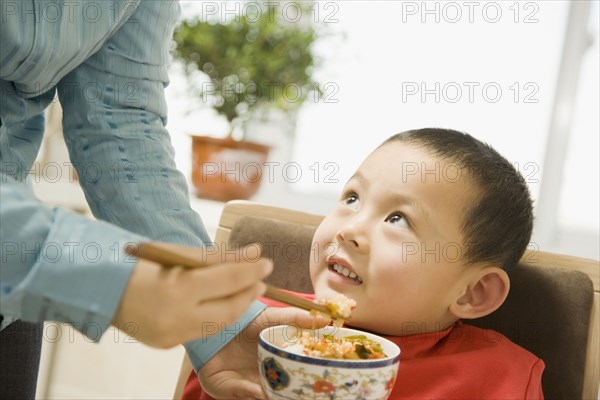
288	375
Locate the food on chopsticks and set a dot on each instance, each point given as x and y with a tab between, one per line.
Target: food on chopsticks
356	347
340	305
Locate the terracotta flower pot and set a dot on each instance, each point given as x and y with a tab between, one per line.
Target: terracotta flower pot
226	169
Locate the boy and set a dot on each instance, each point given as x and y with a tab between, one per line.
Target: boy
421	239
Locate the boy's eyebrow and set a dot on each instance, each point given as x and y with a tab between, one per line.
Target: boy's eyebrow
397	197
360	178
412	203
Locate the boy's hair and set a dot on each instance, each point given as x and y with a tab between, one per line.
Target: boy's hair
498	226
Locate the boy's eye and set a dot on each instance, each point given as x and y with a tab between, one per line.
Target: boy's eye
397	219
351	199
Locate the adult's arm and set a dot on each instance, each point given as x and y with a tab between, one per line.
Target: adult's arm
114	116
56	265
61	266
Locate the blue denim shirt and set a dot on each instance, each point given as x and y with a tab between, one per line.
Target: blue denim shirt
107	61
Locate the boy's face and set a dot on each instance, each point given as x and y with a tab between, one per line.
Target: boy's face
395	240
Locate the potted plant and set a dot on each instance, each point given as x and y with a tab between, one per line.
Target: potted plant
251	63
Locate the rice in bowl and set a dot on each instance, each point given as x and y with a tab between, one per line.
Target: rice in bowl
291	370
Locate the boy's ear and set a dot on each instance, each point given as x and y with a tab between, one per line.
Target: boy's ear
485	292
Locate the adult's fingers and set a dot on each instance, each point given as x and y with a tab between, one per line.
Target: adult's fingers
224	311
223	280
249	390
231	387
285	316
165	305
295	316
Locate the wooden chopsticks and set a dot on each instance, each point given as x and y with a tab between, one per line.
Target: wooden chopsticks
288	298
170	258
163	255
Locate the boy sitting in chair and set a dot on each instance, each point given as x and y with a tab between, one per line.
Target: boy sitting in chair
421	239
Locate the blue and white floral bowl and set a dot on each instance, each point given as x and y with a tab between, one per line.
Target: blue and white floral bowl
288	375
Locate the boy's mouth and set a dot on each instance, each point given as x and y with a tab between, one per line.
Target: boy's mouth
344	271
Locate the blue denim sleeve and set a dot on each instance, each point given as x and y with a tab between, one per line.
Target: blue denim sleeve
60	266
114	125
56	265
114	117
43	40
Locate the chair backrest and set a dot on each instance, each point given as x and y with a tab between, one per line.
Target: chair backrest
552	309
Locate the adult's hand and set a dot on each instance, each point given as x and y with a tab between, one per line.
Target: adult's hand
233	372
166	306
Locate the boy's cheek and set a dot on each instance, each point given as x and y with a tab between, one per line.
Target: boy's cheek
312	270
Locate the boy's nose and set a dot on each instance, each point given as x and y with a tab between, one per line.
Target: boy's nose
353	237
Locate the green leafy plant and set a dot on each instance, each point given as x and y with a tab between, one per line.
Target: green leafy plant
251	61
